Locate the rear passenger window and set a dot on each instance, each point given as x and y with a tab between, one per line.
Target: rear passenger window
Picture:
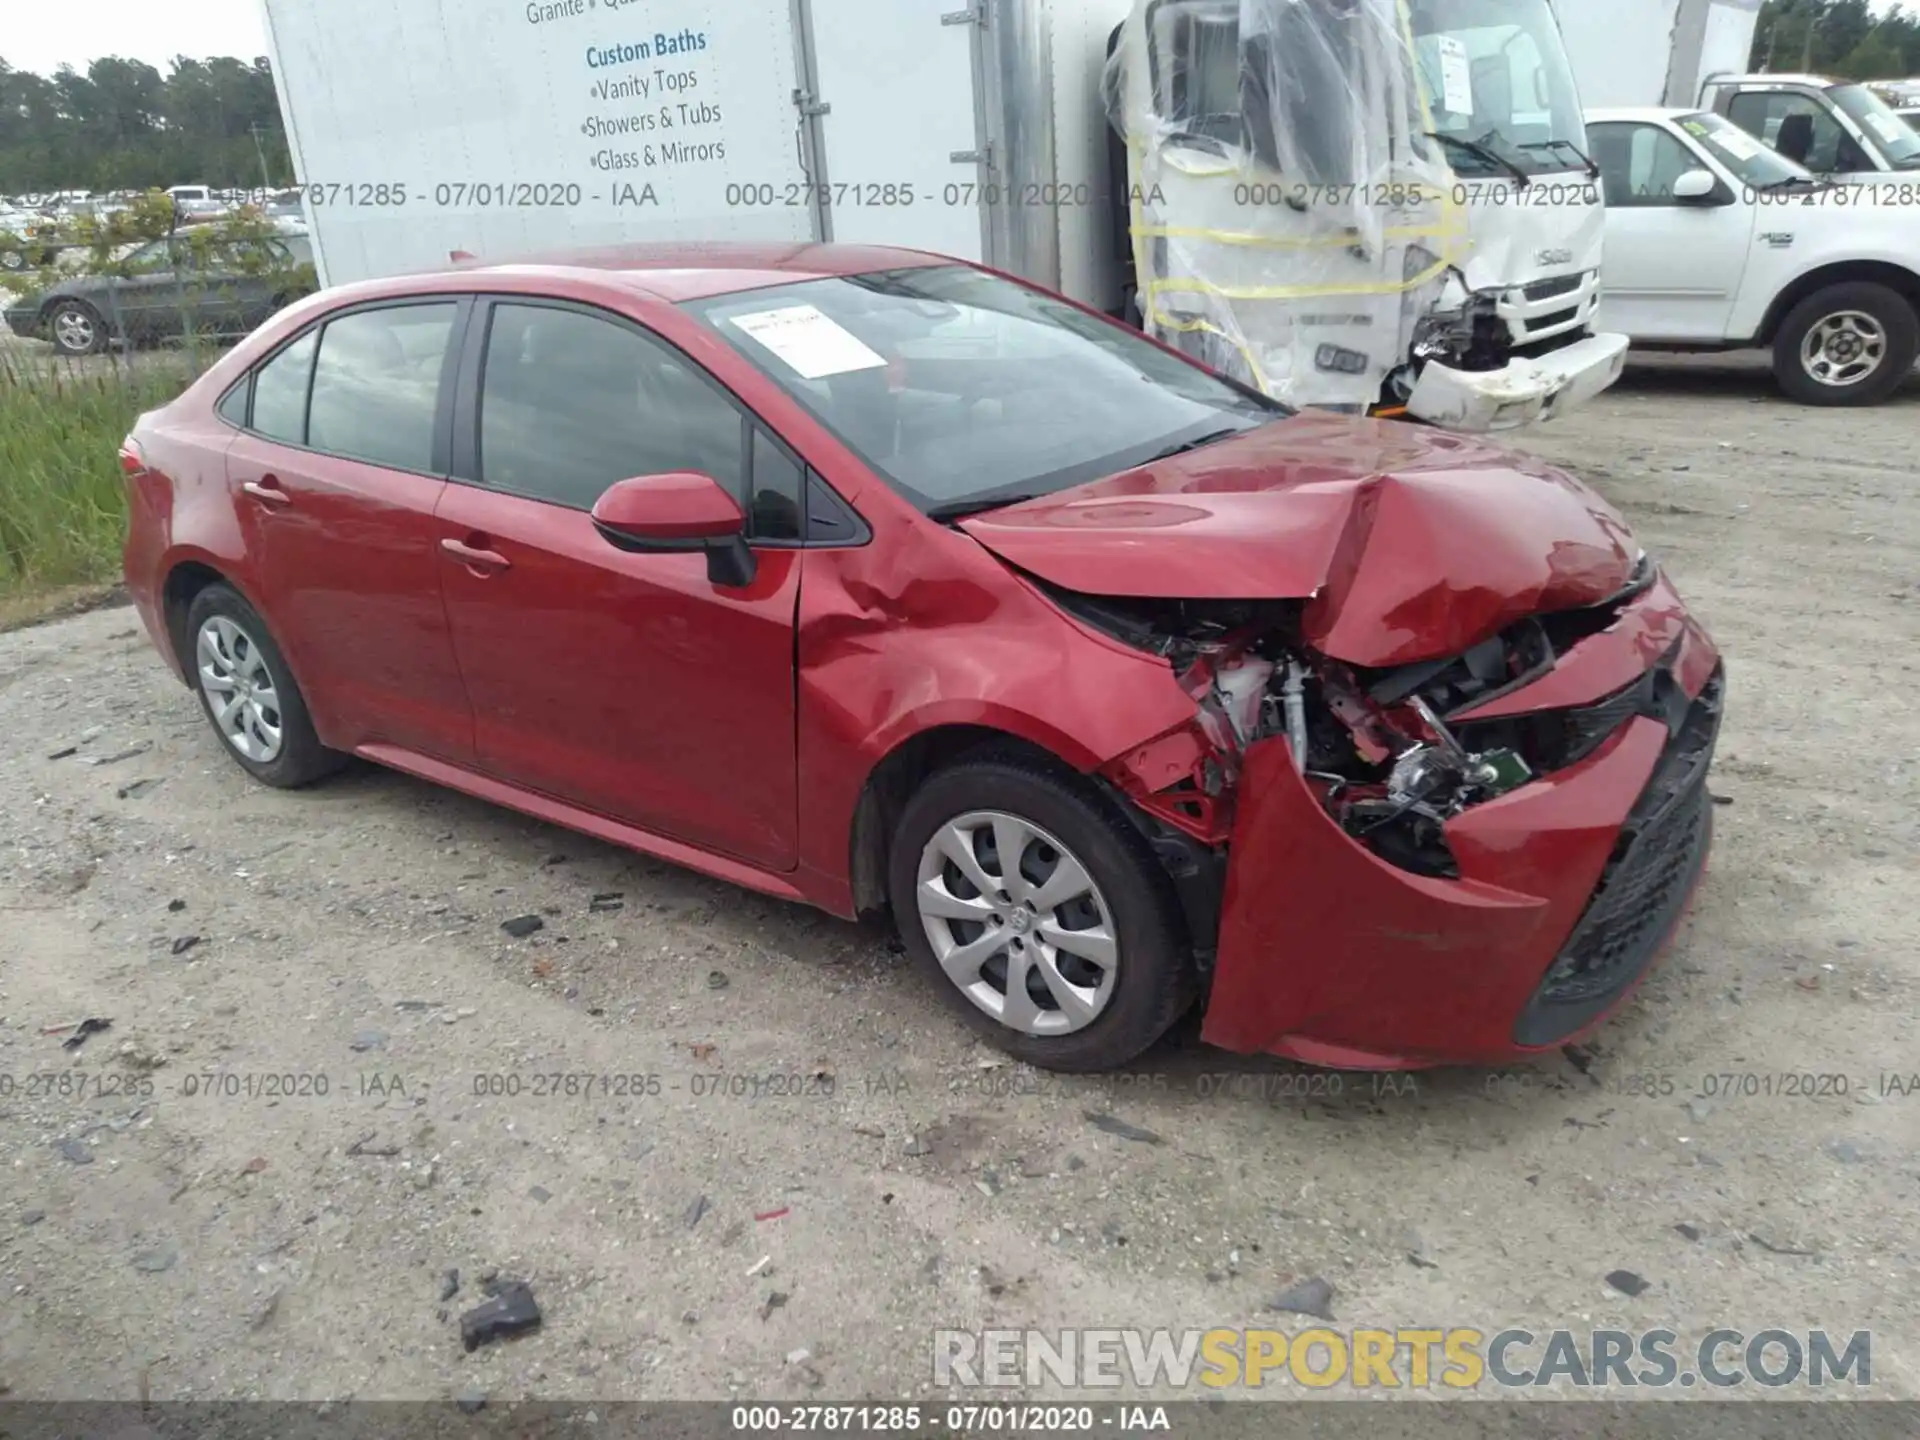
570	404
280	392
233	405
376	385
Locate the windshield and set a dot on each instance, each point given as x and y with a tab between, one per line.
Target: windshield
1896	139
1756	165
1495	72
960	387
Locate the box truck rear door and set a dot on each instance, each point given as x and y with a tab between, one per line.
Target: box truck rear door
898	78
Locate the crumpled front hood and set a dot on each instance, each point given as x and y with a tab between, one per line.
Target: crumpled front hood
1407	543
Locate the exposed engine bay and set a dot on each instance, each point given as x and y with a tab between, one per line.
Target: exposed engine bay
1392	754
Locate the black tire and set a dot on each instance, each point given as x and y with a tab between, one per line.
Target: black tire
79	314
13	260
301	759
1153	981
1888	308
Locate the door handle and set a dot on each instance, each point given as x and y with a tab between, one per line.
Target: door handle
480	561
268	492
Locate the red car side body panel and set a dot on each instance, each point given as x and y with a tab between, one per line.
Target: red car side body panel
347	567
629	684
915	632
179	512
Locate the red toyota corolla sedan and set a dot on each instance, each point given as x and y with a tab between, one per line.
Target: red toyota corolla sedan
871	579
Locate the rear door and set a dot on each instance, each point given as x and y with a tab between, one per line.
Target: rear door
631	685
901	132
336	480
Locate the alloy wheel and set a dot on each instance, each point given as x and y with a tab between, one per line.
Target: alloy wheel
74	330
1018	923
240	691
1844	348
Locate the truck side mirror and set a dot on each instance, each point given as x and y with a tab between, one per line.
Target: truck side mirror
1695	187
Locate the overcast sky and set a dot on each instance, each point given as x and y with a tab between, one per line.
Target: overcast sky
43	35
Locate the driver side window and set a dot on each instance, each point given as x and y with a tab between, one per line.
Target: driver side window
571	403
1800	130
1639	164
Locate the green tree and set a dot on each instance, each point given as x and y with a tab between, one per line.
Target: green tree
1836	37
122	125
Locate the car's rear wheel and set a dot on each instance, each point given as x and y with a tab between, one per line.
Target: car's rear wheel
1042	912
76	328
12	260
249	693
1848	344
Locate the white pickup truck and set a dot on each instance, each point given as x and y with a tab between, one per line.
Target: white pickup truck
1715	242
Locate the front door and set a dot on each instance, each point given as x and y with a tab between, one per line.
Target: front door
631	685
898	78
1673	267
1806	128
336	481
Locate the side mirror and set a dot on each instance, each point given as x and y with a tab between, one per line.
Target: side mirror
1695	186
678	512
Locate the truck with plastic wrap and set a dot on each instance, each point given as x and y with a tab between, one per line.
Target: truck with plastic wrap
1380	204
1366	204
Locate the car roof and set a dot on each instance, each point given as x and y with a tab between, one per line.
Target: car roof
1605	113
1768	79
689	271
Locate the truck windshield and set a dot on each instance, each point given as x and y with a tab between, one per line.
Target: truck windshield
964	390
1495	72
1758	167
1897	140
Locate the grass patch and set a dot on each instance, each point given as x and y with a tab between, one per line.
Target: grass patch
63	510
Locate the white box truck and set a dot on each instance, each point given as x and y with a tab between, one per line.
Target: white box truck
1654	52
985	130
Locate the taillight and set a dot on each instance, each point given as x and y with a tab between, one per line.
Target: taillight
133	460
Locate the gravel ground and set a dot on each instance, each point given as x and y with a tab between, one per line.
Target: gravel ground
692	1240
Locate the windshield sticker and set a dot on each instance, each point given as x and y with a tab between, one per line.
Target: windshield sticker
811	344
1889	128
1456	75
1730	138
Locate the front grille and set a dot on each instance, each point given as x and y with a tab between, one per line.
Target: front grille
1644	888
1585	730
1547	289
1540	324
1550	740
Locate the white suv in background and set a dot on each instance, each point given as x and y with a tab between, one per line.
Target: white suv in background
1715	242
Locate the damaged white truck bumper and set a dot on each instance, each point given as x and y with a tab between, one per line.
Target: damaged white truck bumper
1476	401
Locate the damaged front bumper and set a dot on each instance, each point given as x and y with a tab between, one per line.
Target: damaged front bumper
1567	886
1521	392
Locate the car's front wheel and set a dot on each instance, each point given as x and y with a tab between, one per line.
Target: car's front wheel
76	329
1041	912
249	694
1848	344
